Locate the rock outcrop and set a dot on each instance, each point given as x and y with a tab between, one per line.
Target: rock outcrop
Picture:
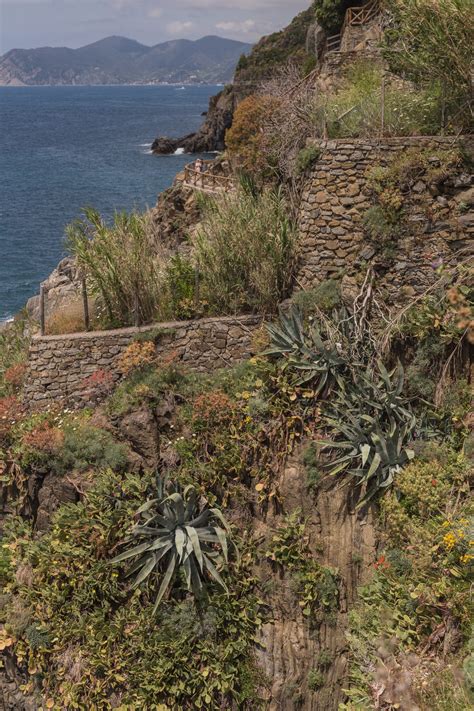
210	137
63	287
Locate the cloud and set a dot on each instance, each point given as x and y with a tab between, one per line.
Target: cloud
178	27
243	27
155	12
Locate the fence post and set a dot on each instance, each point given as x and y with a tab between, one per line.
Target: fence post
197	279
42	309
382	107
85	304
443	109
136	310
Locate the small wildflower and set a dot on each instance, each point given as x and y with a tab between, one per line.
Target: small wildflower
449	540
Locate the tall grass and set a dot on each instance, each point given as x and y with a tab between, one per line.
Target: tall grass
246	252
355	107
121	264
14	342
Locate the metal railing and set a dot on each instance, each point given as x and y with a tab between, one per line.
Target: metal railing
206	179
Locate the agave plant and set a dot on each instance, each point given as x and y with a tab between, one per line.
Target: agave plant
306	351
371	454
372	425
176	533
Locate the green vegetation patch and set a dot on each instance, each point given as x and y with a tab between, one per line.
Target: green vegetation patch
96	646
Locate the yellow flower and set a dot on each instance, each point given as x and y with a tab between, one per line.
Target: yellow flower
449	540
466	558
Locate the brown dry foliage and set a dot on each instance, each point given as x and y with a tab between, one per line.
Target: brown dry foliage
137	355
44	438
246	139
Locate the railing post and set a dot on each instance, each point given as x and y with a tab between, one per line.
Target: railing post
197	279
136	309
382	107
85	304
42	310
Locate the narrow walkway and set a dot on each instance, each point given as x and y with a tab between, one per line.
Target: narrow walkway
200	176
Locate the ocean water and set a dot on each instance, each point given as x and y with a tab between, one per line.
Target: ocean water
63	148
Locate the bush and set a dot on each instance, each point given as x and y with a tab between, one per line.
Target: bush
136	356
87	447
121	264
104	645
14	341
306	157
246	138
246	252
326	297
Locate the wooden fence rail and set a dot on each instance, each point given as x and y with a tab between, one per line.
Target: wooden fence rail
205	179
354	17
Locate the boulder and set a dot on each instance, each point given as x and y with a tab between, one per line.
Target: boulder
140	429
63	288
54	492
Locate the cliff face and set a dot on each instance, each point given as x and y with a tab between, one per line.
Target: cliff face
210	137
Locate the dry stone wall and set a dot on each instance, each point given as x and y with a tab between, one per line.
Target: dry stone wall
337	196
60	365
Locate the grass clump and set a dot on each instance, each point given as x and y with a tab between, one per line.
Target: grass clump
354	107
315	679
246	252
121	265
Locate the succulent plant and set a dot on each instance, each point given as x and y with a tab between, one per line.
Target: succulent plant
177	533
372	425
305	351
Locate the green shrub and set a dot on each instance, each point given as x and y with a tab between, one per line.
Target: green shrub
326	297
104	643
306	158
246	252
315	679
87	447
144	386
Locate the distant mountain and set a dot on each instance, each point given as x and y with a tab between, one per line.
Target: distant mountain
118	60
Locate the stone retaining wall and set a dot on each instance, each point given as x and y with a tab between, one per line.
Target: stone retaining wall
336	197
59	365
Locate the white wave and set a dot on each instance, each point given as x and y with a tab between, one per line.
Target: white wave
149	152
179	152
146	145
180	88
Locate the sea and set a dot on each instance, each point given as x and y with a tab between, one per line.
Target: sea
64	148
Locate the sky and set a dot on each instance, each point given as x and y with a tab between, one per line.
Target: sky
73	23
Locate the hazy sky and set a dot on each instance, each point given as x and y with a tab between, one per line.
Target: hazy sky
72	23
